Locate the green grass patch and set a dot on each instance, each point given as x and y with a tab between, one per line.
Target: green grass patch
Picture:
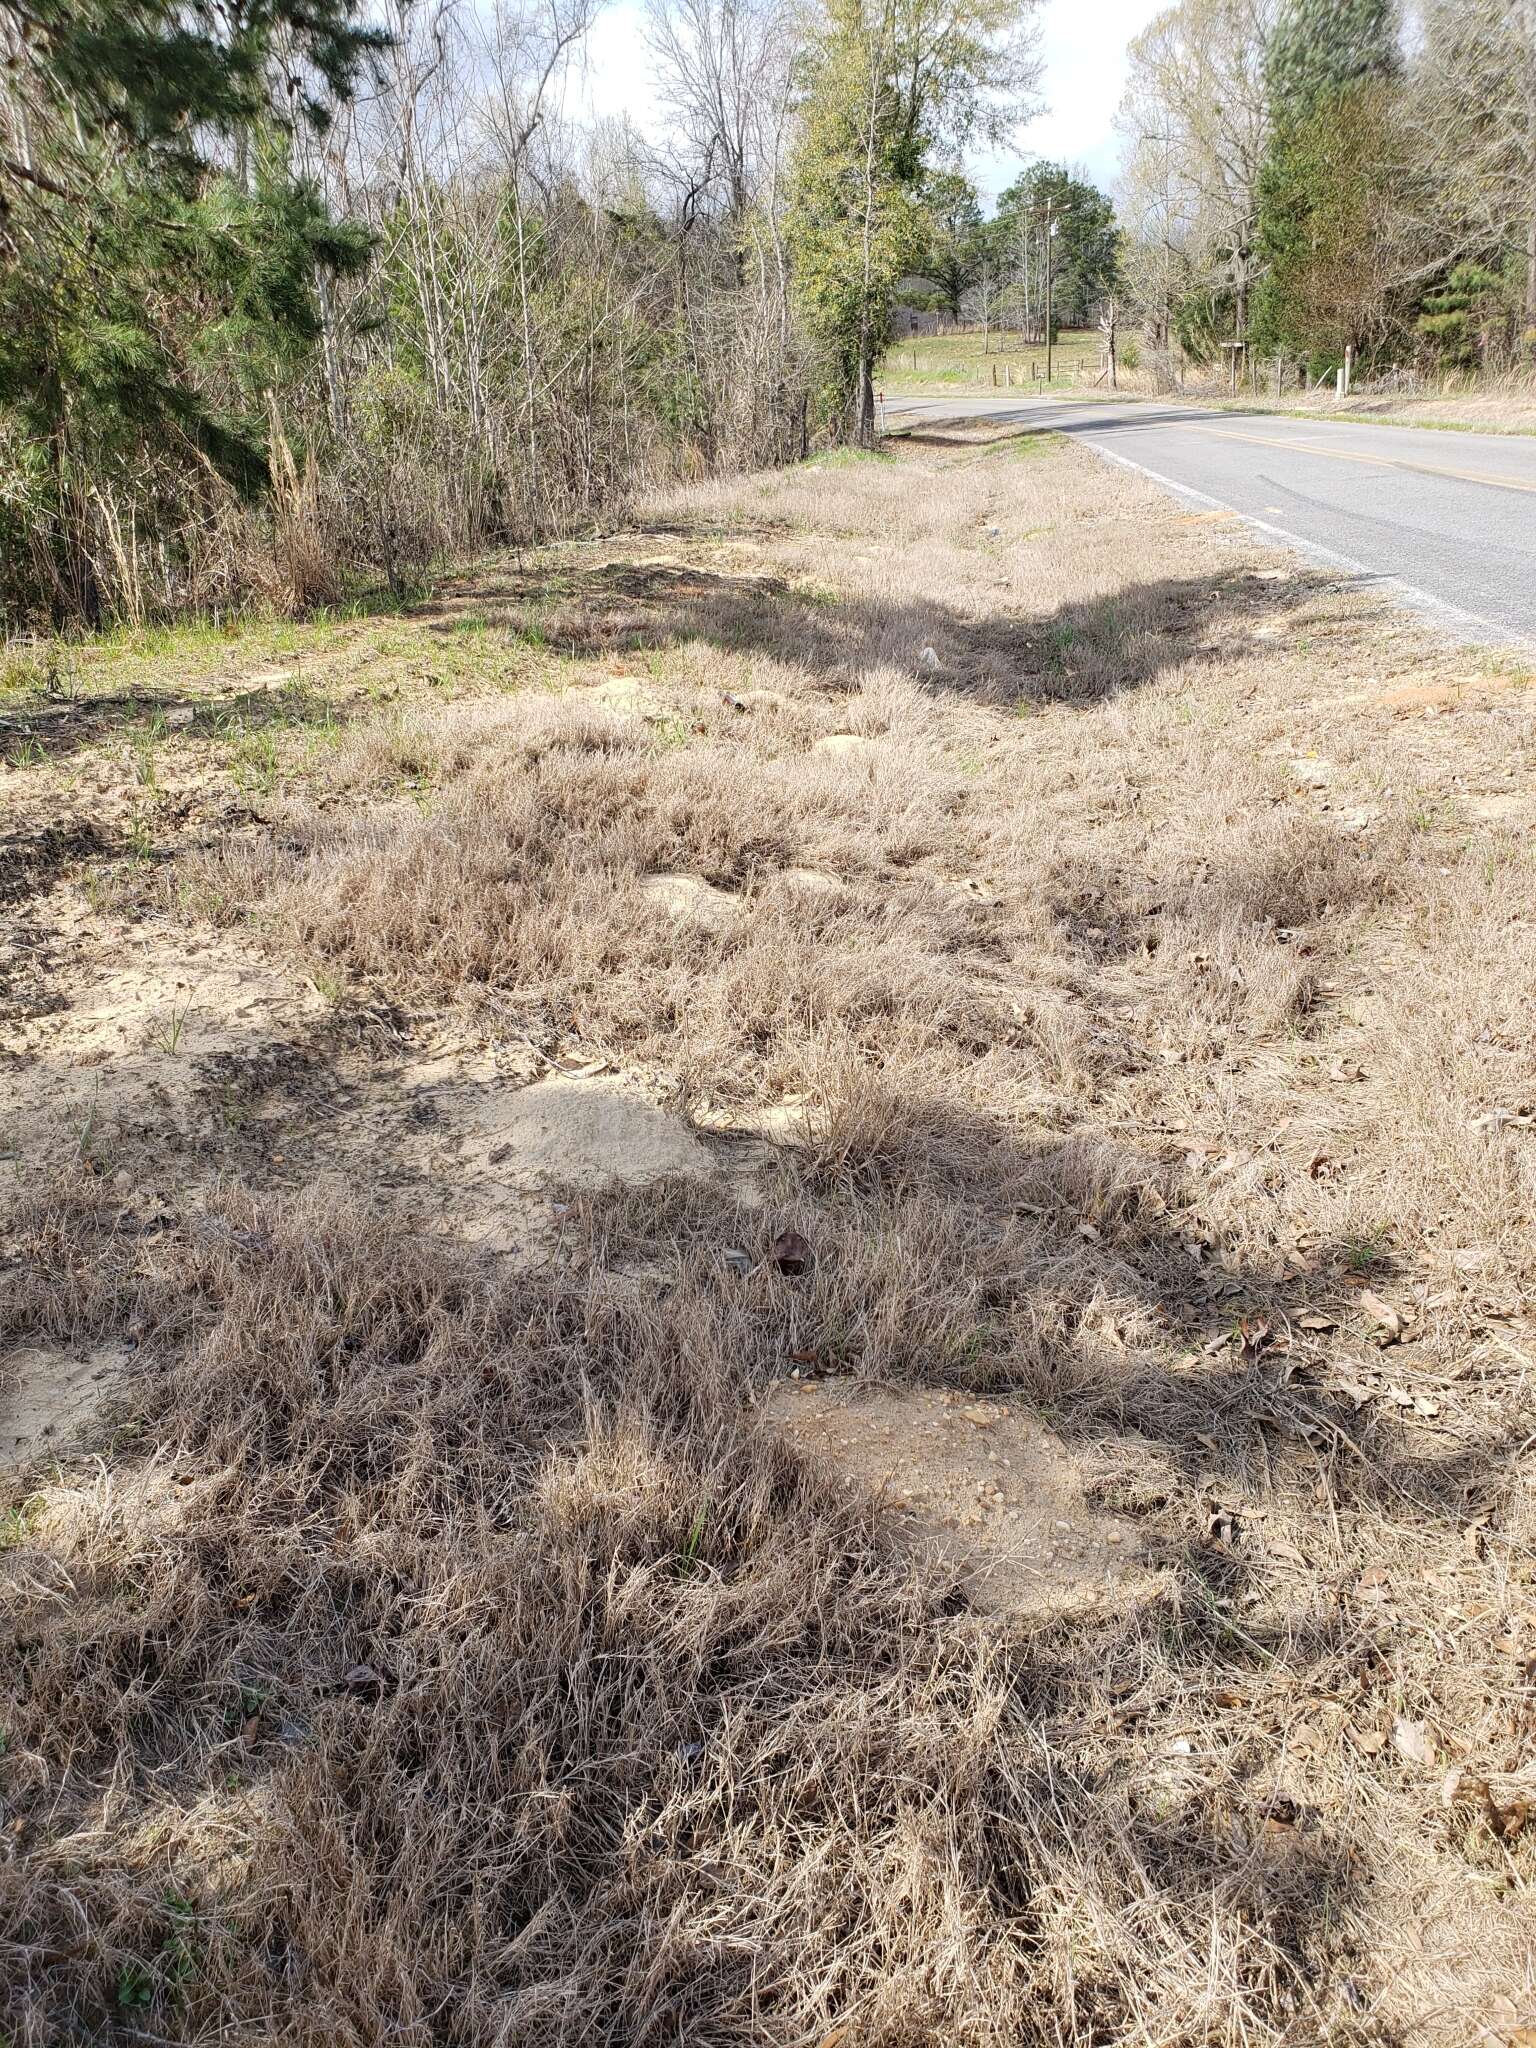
975	361
845	458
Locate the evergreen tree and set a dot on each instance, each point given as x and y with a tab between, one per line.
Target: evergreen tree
955	237
1329	68
1473	304
854	223
1085	245
157	259
889	84
1321	48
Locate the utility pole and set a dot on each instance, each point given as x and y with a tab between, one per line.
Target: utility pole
1050	230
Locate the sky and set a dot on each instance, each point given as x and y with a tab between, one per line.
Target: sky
1083	44
1082	41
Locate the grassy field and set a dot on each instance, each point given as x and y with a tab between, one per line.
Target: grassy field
966	361
949	933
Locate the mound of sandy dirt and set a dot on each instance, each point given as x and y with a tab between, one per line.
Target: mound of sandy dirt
977	1483
48	1396
493	1153
691	899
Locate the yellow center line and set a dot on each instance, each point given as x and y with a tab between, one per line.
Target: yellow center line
1466	476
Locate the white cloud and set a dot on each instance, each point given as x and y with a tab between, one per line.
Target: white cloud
1083	44
1082	41
616	75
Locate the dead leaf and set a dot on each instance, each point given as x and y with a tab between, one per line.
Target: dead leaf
1255	1334
1413	1741
1306	1740
738	1260
362	1678
790	1252
1383	1315
1370	1741
1313	1321
1511	1820
1465	1788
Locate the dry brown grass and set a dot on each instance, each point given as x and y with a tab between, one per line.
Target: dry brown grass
1141	999
1471	406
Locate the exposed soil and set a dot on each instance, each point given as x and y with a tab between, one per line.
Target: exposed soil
48	1398
988	1491
771	1282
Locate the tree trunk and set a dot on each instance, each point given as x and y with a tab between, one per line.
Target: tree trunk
866	399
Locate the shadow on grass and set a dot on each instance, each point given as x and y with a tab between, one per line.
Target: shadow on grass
1078	652
577	1691
439	1558
54	729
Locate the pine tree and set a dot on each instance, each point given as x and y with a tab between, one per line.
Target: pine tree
955	242
157	258
1320	48
1086	242
1472	304
1329	69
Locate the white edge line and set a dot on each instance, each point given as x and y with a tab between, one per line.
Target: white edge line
1475	628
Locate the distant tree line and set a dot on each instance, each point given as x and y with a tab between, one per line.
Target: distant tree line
1050	224
1306	177
297	294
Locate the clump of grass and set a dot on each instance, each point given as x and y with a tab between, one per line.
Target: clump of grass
785	1704
465	1651
518	1605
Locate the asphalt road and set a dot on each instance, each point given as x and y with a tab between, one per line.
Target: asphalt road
1445	520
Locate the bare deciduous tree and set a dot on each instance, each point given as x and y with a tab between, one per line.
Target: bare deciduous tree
1196	123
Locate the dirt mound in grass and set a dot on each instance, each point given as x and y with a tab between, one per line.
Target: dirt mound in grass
47	1396
977	1483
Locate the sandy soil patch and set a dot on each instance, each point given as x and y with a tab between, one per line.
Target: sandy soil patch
851	746
692	898
977	1483
496	1157
48	1397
